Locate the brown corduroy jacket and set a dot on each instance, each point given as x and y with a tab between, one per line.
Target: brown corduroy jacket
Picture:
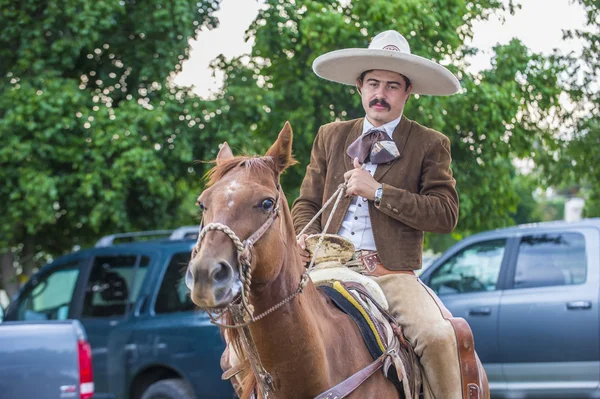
418	189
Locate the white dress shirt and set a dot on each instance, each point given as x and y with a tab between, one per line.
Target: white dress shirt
357	224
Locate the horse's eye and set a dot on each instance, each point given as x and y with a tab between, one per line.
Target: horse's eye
267	204
200	205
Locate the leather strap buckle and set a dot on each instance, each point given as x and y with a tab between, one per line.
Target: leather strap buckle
370	261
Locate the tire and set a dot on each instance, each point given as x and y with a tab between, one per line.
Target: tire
173	388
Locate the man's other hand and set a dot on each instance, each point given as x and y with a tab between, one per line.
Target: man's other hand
304	254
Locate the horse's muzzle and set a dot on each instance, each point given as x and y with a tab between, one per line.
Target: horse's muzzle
212	283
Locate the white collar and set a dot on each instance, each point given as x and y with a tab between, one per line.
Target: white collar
388	127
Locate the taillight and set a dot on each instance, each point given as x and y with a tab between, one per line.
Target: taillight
86	375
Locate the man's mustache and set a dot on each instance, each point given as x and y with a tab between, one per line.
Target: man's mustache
379	102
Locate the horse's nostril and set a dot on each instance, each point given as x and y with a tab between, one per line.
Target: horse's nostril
222	272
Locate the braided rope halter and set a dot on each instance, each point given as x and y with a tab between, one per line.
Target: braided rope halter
245	251
241	311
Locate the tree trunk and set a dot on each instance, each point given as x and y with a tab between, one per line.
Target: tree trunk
27	256
9	275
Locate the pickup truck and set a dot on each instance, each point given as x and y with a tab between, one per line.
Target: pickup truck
530	294
148	339
45	360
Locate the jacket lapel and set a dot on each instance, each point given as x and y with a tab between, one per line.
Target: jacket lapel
400	136
354	133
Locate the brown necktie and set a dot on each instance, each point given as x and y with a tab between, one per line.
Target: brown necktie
373	146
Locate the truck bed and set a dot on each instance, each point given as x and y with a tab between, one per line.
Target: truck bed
40	359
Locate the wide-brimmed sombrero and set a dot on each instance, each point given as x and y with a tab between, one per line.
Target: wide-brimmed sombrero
389	51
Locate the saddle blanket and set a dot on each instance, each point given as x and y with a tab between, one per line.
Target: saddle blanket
379	332
323	275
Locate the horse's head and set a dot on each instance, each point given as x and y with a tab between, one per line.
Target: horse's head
243	195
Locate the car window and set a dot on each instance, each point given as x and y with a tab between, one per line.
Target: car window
113	285
473	269
546	260
173	295
50	295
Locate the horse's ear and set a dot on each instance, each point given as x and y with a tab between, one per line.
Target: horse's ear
281	150
224	153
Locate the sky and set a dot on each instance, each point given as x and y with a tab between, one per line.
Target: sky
539	24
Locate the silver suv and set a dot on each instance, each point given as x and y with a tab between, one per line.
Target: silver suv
530	295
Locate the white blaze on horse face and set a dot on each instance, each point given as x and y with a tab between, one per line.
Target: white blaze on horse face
232	188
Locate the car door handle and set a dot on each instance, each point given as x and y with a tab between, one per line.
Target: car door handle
131	353
131	347
579	305
480	311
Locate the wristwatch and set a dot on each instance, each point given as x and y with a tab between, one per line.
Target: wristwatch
378	195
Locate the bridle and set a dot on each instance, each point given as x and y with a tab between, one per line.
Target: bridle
245	253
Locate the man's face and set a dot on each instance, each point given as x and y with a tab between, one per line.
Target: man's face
383	95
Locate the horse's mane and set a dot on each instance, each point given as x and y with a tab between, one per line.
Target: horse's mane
247	379
253	164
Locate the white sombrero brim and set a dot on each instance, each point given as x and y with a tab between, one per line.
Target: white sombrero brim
427	77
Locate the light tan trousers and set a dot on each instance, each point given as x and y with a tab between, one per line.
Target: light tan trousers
432	337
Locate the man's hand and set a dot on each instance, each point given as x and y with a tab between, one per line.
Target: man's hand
360	182
304	254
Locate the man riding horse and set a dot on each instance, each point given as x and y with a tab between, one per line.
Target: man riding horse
399	184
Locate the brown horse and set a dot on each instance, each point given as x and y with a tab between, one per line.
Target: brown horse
308	345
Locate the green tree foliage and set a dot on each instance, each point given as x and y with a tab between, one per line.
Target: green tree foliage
581	161
580	151
498	116
527	210
94	138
